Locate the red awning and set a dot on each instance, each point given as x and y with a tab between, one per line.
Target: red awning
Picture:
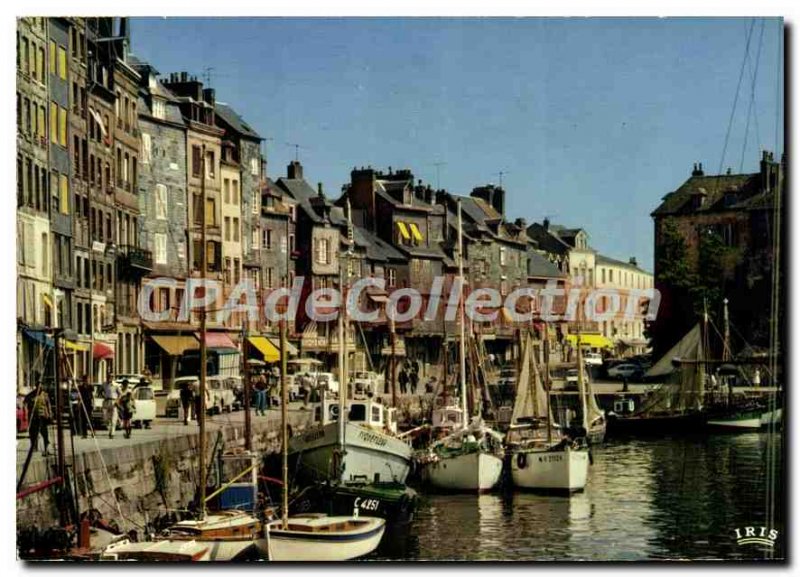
218	341
102	351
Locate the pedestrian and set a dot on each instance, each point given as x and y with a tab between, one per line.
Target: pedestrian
413	379
757	378
86	395
187	400
402	380
305	386
110	414
624	384
126	407
261	395
41	417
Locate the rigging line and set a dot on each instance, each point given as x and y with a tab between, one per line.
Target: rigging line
735	100
752	105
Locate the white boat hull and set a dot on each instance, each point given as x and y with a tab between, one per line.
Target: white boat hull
771	417
369	454
323	546
565	470
753	423
476	472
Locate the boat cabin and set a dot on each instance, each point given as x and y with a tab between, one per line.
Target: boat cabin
367	412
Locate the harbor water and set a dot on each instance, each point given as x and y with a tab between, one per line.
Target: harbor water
661	499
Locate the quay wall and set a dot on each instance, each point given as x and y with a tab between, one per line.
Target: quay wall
141	480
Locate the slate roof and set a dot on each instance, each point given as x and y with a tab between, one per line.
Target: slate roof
539	266
236	122
714	189
376	248
302	192
601	259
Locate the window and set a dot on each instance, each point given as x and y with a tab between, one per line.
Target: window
42	126
227	227
502	256
255	204
161	248
322	251
226	190
63	194
254	239
146	148
210	166
391	281
235	192
254	166
268	238
52	57
161	202
44	253
159	109
291	243
62	63
236	269
227	270
269	279
235	229
62	126
40	64
196	161
211	212
53	122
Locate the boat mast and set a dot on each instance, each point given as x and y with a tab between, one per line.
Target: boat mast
461	353
284	420
342	375
546	359
726	346
582	386
201	417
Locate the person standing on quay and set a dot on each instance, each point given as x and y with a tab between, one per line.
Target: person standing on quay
86	393
110	395
41	416
402	380
187	401
413	378
126	408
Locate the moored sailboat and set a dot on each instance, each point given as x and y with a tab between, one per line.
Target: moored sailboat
540	458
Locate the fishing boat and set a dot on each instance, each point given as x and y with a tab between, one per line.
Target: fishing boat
392	501
541	458
157	551
470	457
677	405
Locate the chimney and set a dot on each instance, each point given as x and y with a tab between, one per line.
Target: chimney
295	170
697	169
768	171
632	261
521	223
319	190
209	96
546	223
492	195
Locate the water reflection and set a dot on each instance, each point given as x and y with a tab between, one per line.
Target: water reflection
666	499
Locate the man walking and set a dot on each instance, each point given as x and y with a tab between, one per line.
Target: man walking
187	400
126	408
41	416
86	394
110	395
414	379
402	380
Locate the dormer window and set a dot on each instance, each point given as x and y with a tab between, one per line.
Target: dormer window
159	109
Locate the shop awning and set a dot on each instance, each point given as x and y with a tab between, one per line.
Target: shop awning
270	353
218	341
73	346
175	345
593	341
102	351
403	230
38	336
290	348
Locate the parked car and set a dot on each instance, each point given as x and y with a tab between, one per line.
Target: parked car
625	371
144	399
222	395
595	359
571	383
173	407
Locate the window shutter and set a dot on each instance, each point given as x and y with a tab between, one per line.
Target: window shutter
146	148
161	201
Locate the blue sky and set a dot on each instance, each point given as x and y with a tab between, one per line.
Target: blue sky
591	120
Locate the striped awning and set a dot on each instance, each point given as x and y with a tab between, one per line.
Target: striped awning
218	341
403	230
270	353
415	232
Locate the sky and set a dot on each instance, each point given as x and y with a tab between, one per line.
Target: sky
591	121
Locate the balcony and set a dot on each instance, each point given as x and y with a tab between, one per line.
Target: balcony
134	262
